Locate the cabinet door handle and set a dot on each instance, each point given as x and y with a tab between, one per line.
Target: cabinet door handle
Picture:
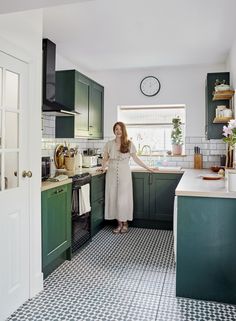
150	179
58	191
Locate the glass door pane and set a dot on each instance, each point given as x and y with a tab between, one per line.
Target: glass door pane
12	90
11	130
11	178
0	87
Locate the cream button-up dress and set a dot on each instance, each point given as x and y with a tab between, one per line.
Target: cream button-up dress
119	189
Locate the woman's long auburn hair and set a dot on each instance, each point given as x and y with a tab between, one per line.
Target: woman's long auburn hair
125	142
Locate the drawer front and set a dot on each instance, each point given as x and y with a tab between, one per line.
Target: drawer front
97	187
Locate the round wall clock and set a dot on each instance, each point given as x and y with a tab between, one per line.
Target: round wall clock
150	86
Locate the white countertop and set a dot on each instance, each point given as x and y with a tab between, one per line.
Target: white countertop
192	184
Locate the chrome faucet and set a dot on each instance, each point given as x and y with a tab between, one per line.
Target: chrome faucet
146	147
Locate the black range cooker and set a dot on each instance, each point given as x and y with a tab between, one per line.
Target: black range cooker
81	223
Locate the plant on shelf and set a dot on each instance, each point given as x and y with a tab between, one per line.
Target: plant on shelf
176	136
229	133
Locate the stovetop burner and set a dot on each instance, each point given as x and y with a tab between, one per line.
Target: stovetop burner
81	175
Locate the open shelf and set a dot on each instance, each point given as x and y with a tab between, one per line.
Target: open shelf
221	120
221	95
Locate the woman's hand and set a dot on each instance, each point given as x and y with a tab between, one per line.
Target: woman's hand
103	170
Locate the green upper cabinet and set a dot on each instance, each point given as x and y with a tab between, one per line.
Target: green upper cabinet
82	105
86	97
214	131
96	111
154	199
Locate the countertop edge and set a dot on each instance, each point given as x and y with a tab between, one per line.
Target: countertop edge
49	185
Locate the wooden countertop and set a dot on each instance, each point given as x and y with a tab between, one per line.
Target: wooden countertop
192	184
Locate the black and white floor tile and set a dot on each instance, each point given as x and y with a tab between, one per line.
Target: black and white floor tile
127	277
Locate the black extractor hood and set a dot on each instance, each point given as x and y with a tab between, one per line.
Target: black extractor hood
50	105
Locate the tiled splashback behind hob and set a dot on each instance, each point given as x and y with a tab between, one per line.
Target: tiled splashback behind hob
210	149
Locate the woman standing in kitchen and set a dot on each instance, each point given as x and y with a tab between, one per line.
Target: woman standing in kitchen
119	191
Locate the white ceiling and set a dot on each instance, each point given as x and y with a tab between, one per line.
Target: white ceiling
21	5
117	34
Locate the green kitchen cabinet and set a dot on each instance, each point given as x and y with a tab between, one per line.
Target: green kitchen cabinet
56	226
96	111
97	203
206	242
214	130
86	97
154	199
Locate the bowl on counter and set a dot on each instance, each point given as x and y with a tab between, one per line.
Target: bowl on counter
216	168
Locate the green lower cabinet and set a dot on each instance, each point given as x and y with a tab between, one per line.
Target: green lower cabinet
56	226
97	203
206	243
154	199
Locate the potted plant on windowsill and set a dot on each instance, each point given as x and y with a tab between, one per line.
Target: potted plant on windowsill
176	136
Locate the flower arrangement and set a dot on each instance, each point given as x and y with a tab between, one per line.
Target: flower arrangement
229	133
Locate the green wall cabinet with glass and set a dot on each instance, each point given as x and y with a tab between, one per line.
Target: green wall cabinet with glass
97	203
56	227
84	95
154	199
214	131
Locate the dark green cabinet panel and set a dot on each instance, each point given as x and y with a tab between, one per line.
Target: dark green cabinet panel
141	195
82	101
97	203
206	242
154	199
214	131
96	111
162	193
56	223
86	97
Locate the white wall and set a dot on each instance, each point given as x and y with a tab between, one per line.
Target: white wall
179	85
231	65
21	33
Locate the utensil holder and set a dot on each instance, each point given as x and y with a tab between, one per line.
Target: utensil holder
70	163
198	161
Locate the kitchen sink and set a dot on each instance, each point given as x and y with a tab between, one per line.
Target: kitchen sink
159	168
169	168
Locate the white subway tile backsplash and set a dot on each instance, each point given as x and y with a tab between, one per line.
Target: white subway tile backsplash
209	149
195	140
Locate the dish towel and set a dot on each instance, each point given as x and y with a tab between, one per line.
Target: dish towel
75	202
84	199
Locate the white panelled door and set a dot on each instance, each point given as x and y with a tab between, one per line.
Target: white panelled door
14	188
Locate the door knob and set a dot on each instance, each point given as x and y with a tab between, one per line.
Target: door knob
28	174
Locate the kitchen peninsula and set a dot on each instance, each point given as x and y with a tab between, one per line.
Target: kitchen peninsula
206	239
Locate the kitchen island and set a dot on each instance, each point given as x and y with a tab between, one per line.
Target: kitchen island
206	239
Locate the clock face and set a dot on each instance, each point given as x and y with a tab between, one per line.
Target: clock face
150	86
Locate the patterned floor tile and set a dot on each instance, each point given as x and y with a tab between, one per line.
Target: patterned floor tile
139	314
119	278
146	301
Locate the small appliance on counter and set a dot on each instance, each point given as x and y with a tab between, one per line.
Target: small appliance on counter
46	167
89	161
99	160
